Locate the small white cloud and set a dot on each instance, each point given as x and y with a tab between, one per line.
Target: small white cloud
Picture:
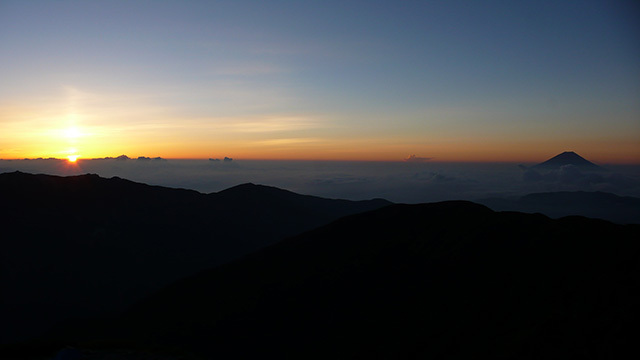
413	158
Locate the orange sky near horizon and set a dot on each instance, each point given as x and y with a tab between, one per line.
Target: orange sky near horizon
75	141
45	133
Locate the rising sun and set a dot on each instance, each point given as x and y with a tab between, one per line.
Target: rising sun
72	158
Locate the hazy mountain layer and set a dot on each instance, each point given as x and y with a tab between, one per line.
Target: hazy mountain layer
600	205
86	245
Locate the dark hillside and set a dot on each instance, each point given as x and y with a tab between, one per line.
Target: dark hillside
443	280
86	245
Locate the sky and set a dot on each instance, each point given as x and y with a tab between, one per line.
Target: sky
321	80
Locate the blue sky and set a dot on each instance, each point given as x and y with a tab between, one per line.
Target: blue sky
370	80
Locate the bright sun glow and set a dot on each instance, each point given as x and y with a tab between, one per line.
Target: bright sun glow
72	158
72	132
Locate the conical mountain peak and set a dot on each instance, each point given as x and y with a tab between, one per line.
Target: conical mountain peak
568	158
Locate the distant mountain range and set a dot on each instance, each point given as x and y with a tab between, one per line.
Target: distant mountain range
442	280
86	245
568	158
599	205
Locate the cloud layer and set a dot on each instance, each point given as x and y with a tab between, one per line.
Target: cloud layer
409	182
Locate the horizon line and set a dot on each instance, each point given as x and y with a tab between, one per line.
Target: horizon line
432	160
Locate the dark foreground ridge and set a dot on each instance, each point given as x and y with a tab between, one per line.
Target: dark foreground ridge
443	280
86	246
568	158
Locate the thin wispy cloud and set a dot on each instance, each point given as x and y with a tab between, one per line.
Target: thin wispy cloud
271	124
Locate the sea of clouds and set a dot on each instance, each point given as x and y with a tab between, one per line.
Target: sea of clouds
404	182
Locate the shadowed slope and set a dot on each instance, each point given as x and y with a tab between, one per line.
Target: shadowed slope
86	245
451	279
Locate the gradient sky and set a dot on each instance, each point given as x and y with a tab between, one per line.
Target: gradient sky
350	80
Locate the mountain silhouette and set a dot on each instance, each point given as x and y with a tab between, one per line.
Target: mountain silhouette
82	246
443	280
568	158
600	205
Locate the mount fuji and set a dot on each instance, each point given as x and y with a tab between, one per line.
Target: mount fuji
568	158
